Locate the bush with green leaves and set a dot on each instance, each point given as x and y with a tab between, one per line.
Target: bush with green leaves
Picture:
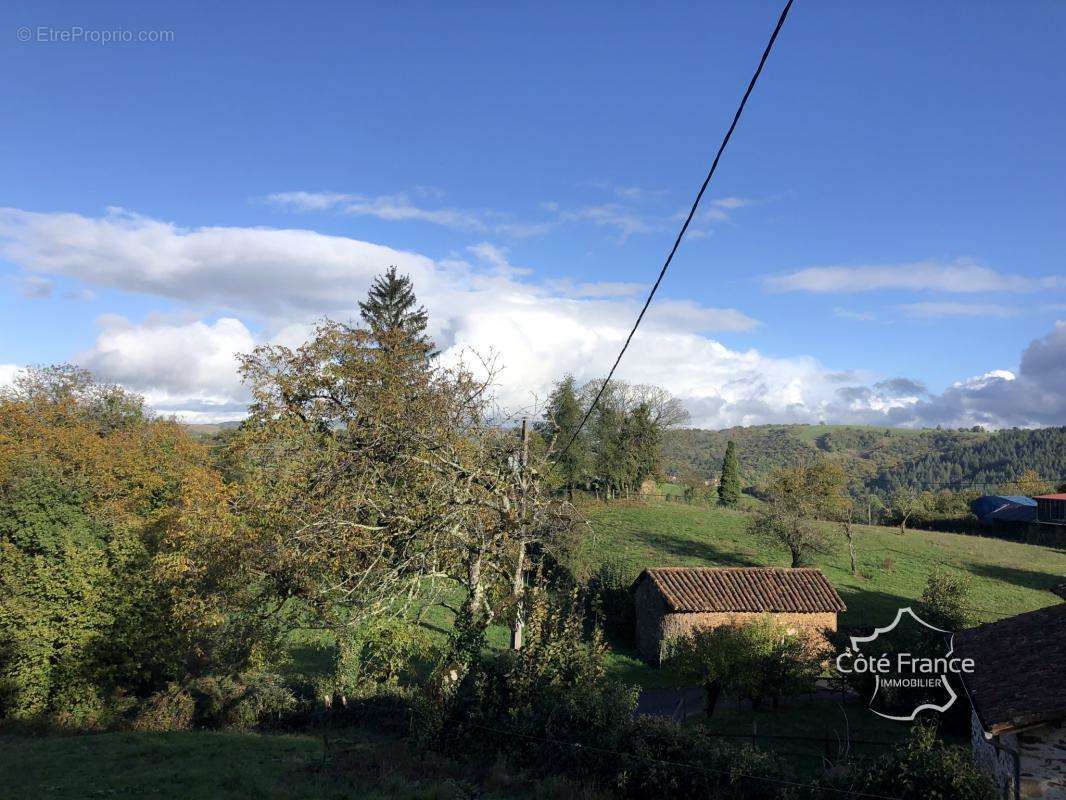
945	600
921	768
664	759
376	653
555	687
611	590
96	605
758	659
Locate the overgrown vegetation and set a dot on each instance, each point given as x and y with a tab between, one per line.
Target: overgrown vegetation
154	584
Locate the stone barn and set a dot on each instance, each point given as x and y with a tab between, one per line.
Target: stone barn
672	601
1018	694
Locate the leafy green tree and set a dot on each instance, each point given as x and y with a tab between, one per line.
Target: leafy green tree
758	659
561	421
729	485
906	503
91	497
391	306
796	498
643	444
608	444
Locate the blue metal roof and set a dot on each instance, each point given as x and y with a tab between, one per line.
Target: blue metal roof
1014	512
991	507
1021	500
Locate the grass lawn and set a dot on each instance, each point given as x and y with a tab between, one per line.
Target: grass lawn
1006	577
199	765
159	765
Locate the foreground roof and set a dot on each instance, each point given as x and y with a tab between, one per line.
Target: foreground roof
1019	669
1056	496
692	589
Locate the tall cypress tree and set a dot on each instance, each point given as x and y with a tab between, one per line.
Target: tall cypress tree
391	306
729	486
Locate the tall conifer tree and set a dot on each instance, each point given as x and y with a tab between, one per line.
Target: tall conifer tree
391	307
729	486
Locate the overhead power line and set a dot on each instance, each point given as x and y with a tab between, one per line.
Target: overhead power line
684	227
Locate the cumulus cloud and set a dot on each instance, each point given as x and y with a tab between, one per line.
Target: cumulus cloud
243	286
7	374
961	276
178	365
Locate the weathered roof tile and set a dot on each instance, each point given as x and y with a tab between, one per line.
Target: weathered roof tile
693	589
1019	669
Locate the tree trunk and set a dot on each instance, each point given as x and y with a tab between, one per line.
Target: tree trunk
714	691
851	546
518	581
518	588
476	599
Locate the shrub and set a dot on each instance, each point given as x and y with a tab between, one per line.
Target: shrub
945	600
920	768
609	588
170	709
243	702
758	659
554	688
668	760
376	652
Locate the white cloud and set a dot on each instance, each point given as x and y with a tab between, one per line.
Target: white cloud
7	374
309	201
855	316
282	280
625	220
962	276
935	310
177	365
399	207
34	287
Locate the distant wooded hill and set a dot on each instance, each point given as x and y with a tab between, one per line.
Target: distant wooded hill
881	459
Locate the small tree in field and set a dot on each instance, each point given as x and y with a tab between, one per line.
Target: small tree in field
905	504
729	486
759	659
796	498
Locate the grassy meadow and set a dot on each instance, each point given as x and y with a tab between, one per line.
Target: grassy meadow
1006	577
354	764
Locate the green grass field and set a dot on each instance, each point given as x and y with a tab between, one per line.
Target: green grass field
1006	577
352	764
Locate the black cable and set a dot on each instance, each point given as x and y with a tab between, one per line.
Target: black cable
684	227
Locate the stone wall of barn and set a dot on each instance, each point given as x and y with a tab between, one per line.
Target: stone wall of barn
996	757
650	611
656	626
1040	771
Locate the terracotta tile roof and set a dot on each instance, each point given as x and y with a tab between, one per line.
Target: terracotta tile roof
688	589
1019	669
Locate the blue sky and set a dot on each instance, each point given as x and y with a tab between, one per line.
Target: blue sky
891	206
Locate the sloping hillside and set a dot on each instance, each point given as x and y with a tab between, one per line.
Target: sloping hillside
1005	577
882	459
